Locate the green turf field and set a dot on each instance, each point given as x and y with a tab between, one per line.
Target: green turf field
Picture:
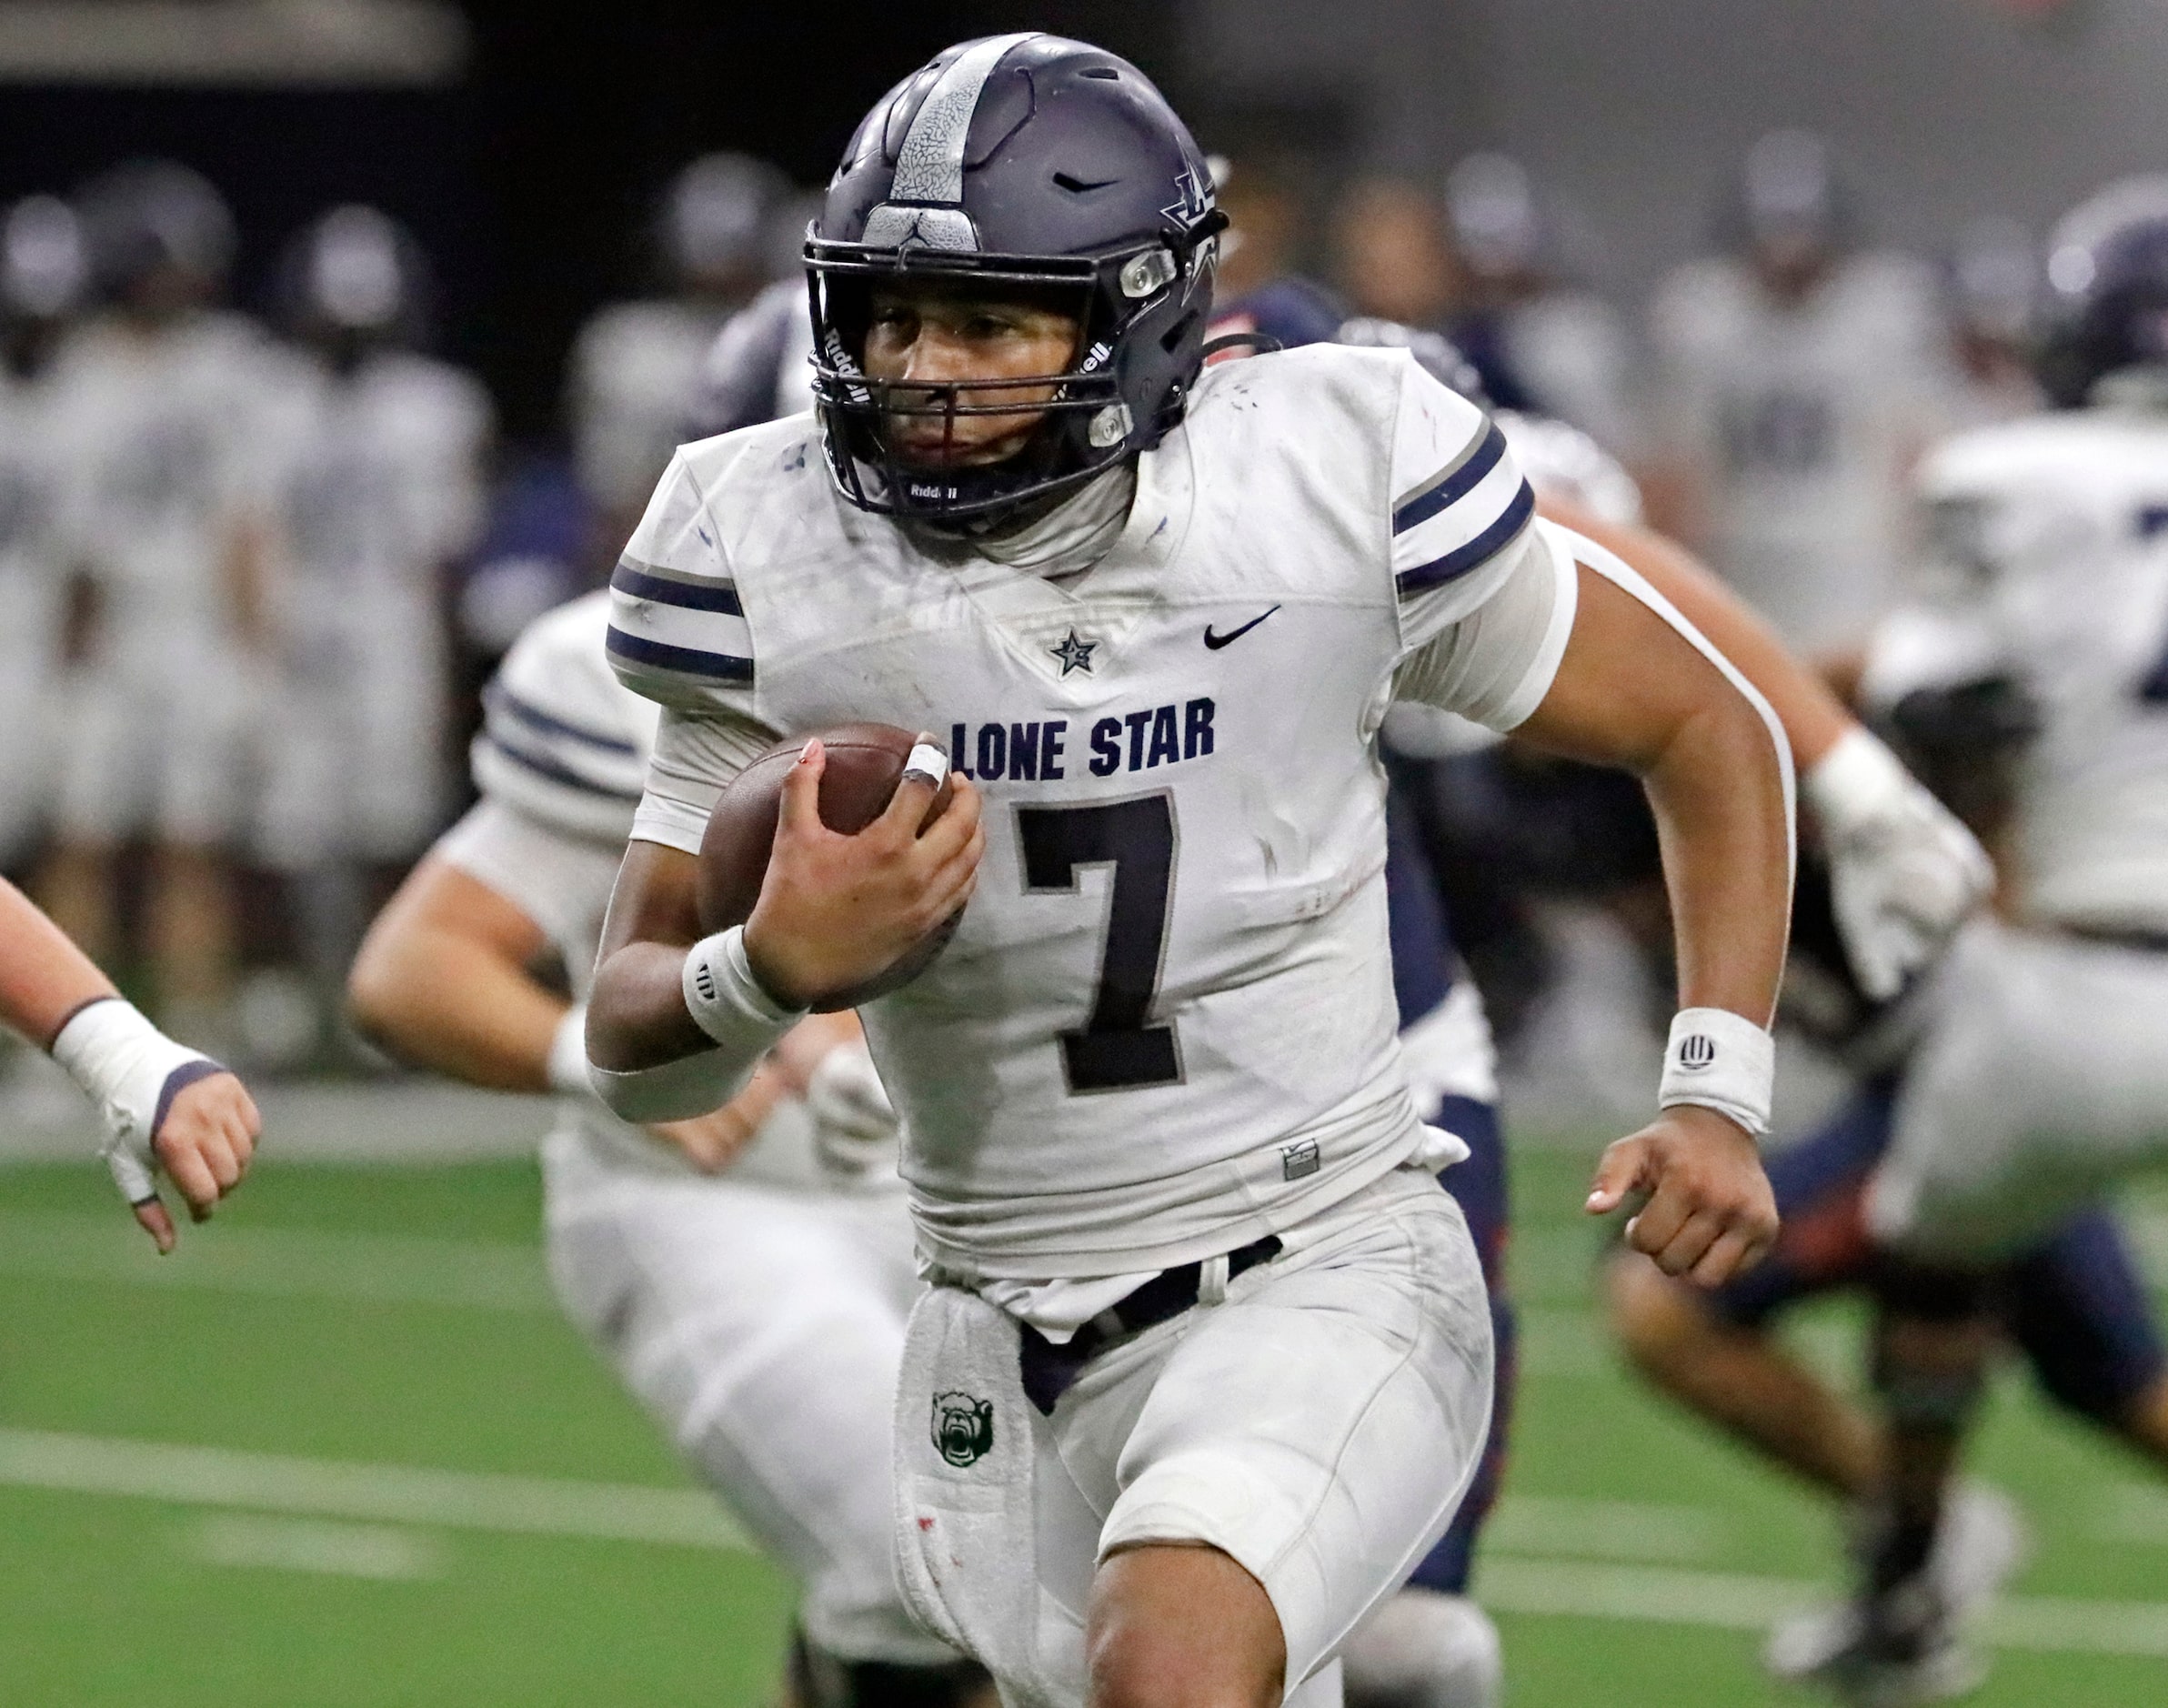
340	1450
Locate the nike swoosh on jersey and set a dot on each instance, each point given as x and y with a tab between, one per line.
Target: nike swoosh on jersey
1214	642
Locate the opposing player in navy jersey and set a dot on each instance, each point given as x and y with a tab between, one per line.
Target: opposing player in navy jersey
1205	1365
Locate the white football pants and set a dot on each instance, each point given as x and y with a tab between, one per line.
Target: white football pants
762	1327
1320	1425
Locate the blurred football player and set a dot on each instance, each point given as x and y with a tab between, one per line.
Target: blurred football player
156	423
1167	1173
747	1272
2043	1074
1994	298
373	482
1564	349
164	1106
42	278
1799	379
1395	261
634	371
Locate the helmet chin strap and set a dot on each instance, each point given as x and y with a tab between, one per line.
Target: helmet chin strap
1073	534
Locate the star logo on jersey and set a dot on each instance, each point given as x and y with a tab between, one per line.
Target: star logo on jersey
963	1428
1074	654
1193	206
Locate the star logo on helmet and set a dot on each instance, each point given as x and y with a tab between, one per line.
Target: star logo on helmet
1074	654
1193	206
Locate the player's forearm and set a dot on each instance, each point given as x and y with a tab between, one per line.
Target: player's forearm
446	1002
1718	796
43	976
1813	717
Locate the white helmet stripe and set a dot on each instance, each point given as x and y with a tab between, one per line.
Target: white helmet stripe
929	166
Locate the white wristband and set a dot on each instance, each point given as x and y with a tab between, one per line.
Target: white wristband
726	1000
1723	1061
567	1068
132	1071
1858	779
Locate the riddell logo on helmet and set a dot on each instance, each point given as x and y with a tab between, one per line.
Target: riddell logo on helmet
1697	1050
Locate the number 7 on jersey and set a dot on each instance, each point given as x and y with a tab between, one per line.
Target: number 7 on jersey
1118	1048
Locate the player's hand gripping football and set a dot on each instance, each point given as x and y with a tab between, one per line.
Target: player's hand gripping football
836	910
204	1145
1707	1212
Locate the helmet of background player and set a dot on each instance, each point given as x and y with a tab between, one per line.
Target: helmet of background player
43	269
1497	229
1789	214
2107	307
1024	165
1994	281
715	225
353	280
159	237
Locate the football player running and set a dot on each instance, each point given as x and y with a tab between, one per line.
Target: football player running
1207	1343
164	1106
747	1272
2043	1075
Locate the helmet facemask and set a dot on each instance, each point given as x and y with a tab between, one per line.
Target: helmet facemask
1157	289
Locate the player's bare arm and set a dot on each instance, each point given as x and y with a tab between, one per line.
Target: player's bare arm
444	980
1633	690
164	1106
1904	871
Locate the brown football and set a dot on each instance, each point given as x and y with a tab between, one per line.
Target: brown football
865	762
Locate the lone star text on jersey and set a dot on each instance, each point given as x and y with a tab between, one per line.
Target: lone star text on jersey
1038	751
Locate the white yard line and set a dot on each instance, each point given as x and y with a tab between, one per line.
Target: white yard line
397	1494
1604	1530
1734	1601
375	1494
382	1552
281	1263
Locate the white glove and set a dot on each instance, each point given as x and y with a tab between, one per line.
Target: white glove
855	1125
1905	874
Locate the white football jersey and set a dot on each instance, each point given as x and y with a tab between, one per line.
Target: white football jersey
160	440
635	380
374	479
559	763
2050	564
29	565
1802	424
1166	1023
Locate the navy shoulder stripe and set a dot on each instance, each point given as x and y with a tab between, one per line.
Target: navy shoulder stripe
1475	554
717	666
542	764
496	697
1451	483
689	593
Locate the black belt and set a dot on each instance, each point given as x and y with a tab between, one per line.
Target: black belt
2138	937
1049	1371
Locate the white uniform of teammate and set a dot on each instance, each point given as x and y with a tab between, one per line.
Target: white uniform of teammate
1802	424
158	439
373	482
2045	1072
635	380
758	1315
1165	1027
31	583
